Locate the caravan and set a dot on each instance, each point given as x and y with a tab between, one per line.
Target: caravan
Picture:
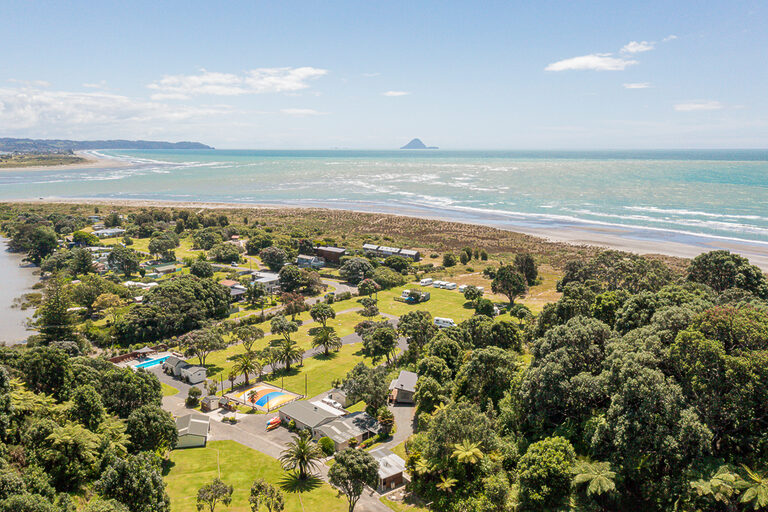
427	281
442	323
450	286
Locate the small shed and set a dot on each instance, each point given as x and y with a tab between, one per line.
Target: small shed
403	387
391	468
193	430
194	374
210	403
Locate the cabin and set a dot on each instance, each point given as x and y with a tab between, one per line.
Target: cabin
109	232
209	403
331	254
307	261
391	469
194	374
358	425
384	252
193	430
402	389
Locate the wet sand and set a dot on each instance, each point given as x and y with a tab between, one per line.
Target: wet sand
17	278
93	161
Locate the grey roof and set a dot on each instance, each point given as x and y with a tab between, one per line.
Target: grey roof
353	425
389	463
408	252
173	362
193	425
338	250
211	399
370	247
145	350
405	381
306	413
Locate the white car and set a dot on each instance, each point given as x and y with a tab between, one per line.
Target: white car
235	265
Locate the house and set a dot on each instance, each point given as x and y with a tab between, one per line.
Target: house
391	468
269	280
330	254
358	425
402	389
194	374
166	269
306	261
384	252
338	395
229	283
173	365
108	232
305	415
209	403
193	430
236	290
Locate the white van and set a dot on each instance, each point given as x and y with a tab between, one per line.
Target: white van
462	288
442	323
450	286
427	281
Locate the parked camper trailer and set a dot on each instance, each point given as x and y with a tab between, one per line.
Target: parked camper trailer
427	281
442	323
450	286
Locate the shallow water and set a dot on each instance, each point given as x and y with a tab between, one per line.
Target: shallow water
16	279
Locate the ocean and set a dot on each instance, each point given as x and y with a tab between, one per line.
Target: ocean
711	194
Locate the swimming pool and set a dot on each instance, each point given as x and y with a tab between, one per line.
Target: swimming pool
265	397
151	362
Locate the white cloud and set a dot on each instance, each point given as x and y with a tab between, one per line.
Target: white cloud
23	108
255	81
669	38
637	85
695	106
30	83
371	75
96	85
638	47
301	112
394	94
594	61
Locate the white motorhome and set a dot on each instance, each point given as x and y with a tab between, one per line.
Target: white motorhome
450	286
462	288
427	281
442	323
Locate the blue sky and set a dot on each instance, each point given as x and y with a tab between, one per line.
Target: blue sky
361	74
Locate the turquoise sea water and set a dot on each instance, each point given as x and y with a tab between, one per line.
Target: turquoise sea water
713	193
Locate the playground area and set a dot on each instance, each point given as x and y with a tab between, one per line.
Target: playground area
264	397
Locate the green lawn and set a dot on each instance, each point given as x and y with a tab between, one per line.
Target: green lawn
321	371
238	466
402	507
443	303
168	390
400	450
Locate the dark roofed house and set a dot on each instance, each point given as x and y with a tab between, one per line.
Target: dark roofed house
402	389
332	254
358	425
173	365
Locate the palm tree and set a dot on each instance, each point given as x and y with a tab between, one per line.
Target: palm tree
755	489
422	467
597	476
288	352
721	487
232	377
246	365
467	452
301	455
446	484
438	408
327	338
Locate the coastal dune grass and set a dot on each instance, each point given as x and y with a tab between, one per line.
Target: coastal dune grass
239	466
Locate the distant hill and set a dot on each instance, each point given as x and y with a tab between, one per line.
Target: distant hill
58	146
417	144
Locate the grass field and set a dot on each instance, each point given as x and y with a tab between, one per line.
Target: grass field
168	390
398	506
239	466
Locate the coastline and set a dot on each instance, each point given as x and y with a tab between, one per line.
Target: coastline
636	240
93	160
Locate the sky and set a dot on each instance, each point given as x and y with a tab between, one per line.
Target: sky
372	75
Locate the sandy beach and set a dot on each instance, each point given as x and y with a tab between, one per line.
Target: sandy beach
633	240
93	162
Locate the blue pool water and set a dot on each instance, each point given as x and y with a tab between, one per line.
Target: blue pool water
152	362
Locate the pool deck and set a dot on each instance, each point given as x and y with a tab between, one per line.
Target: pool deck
136	363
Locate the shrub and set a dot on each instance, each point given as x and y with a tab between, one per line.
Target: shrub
193	396
449	260
327	445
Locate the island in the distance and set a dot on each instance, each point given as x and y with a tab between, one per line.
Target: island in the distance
417	144
59	146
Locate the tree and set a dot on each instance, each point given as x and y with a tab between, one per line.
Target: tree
754	489
368	287
464	257
526	265
87	407
397	263
293	303
81	263
53	318
248	335
124	390
163	244
202	342
28	503
355	270
485	376
266	495
224	253
367	384
382	342
301	455
545	474
273	257
722	270
594	479
327	338
136	482
449	260
370	307
472	293
201	269
467	452
193	396
418	328
209	495
288	352
42	242
291	278
352	471
107	303
123	259
386	420
282	327
509	282
69	455
47	370
322	313
256	294
387	278
246	364
151	429
484	307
